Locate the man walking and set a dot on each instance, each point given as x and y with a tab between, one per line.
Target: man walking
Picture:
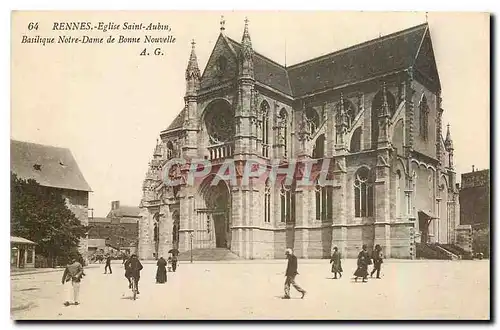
108	265
377	261
133	269
73	273
291	272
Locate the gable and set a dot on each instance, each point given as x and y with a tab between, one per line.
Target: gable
216	72
425	61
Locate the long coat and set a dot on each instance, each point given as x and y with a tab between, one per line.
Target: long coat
336	263
363	262
161	272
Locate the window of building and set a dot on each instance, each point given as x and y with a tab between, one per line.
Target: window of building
424	118
319	147
356	140
267	202
287	195
398	194
264	110
312	120
284	124
324	202
170	150
363	193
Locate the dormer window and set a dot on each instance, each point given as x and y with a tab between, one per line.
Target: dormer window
37	167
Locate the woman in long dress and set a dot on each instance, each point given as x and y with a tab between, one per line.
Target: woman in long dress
363	262
336	263
161	272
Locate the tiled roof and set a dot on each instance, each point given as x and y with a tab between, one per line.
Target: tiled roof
387	54
49	166
125	211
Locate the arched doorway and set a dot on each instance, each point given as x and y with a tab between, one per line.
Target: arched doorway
214	217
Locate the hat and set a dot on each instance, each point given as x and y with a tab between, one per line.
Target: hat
288	251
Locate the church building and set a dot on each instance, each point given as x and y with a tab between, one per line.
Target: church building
372	112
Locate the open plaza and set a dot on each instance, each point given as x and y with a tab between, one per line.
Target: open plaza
242	289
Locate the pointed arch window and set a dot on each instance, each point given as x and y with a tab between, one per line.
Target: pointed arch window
264	110
284	129
267	202
324	202
398	194
170	150
363	193
424	118
287	196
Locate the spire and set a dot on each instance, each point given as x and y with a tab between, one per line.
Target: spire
192	70
222	24
448	142
246	52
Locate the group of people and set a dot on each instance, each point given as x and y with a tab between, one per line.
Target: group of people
364	260
162	265
74	271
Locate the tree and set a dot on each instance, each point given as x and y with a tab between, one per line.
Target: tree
40	214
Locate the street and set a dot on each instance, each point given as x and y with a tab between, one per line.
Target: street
422	289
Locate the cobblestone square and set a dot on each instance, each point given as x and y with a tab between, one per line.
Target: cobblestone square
252	290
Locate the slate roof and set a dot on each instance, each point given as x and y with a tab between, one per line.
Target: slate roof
178	122
267	71
387	54
125	211
49	166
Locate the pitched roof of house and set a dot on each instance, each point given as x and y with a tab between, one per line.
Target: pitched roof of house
49	166
125	211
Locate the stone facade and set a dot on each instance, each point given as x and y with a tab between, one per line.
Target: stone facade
372	127
78	203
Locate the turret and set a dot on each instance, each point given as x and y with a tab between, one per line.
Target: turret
246	56
383	121
192	73
448	145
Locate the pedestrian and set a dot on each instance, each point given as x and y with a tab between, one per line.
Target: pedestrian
363	262
377	260
174	262
290	273
133	269
72	275
336	263
161	272
108	265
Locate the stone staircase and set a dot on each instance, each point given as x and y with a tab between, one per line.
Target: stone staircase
216	254
456	250
431	251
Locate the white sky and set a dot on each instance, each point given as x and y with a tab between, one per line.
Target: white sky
108	105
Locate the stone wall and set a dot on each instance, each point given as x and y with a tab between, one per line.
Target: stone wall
78	203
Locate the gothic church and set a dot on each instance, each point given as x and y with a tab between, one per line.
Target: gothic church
373	110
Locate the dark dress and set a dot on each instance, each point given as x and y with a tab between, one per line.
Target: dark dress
363	262
336	263
161	272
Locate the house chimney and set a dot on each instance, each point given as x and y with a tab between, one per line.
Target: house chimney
115	205
472	168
